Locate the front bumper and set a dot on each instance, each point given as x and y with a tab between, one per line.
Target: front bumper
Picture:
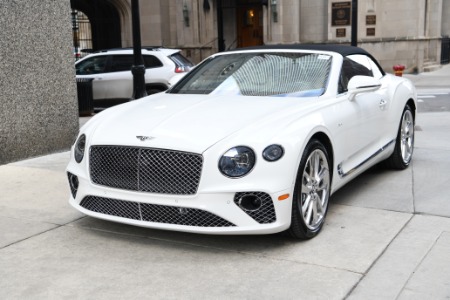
209	213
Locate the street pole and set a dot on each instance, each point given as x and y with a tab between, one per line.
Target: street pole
138	68
354	41
221	41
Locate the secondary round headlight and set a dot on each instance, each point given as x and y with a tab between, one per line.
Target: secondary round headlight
79	148
273	152
237	162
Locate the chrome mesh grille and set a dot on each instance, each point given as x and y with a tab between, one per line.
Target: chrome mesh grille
265	214
119	208
153	212
181	216
146	169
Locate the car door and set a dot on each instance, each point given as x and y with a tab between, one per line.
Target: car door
156	72
94	68
365	113
119	77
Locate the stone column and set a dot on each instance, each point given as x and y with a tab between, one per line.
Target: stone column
38	103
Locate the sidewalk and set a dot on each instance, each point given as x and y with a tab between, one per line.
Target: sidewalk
439	78
387	236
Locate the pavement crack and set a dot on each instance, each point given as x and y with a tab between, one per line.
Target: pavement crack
73	221
412	188
31	236
418	265
378	257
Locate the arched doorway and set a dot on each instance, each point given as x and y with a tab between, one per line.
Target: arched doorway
104	20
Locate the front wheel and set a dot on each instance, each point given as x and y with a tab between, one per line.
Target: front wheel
311	192
404	144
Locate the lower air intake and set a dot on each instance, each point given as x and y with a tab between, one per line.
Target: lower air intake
154	213
257	205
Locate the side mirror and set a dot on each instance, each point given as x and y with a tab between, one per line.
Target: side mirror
360	84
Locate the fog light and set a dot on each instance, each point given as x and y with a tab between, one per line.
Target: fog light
250	202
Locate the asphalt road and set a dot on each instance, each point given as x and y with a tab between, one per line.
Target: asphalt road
434	100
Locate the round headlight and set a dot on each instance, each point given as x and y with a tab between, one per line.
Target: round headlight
273	152
237	162
79	148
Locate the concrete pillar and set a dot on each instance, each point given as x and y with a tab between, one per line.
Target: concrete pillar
38	103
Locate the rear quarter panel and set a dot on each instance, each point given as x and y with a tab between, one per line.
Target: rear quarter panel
401	90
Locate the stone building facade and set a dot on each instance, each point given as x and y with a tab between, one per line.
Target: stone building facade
405	32
38	106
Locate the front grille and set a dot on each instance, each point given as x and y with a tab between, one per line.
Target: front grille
265	214
146	169
153	212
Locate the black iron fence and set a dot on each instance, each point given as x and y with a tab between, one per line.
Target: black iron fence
82	34
445	50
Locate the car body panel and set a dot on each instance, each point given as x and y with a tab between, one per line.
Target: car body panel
361	130
179	123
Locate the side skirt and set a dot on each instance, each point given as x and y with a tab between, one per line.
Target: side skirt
343	174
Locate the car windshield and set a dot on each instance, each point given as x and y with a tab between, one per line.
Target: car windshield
259	74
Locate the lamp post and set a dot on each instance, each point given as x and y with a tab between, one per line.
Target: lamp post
138	68
354	41
221	41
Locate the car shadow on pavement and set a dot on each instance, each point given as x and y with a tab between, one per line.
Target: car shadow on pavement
379	188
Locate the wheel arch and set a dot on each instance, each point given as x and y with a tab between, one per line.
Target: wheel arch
412	104
403	94
298	227
326	142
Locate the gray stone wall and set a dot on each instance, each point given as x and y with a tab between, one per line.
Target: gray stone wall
38	104
445	18
410	53
314	21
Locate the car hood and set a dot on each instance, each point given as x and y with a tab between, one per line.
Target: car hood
190	123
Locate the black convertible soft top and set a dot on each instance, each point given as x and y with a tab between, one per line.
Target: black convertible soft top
344	50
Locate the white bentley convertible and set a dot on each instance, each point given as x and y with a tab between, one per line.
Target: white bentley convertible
251	141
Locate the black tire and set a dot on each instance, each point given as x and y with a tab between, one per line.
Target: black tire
312	192
401	158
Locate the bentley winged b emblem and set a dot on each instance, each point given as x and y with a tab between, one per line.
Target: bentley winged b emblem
143	138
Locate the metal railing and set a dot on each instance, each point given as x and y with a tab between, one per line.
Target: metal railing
445	50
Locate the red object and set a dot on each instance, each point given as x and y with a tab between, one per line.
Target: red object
398	70
179	69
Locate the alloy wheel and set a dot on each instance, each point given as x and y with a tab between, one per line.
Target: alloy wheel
407	136
314	189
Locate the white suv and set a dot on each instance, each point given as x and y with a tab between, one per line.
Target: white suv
111	72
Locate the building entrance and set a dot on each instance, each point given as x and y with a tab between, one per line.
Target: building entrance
249	23
104	22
